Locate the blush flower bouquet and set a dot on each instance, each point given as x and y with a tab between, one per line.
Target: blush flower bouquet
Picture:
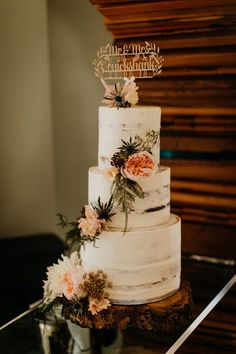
132	162
67	282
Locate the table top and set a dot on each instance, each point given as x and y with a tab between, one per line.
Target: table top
211	329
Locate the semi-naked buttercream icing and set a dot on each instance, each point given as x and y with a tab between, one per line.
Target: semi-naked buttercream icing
151	210
143	262
121	124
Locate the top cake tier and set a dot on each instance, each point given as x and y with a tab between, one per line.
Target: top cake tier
121	124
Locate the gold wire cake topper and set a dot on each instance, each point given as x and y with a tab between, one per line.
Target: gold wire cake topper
130	60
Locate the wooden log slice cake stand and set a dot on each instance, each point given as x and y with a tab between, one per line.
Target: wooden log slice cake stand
166	315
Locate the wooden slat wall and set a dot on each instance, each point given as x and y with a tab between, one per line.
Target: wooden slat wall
197	93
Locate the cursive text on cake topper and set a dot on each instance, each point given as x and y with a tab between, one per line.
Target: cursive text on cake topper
130	60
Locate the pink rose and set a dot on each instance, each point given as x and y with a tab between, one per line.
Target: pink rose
139	165
71	282
91	225
96	305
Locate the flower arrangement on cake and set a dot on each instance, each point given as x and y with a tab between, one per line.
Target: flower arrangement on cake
133	161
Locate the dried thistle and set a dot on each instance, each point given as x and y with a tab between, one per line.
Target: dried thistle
104	210
129	147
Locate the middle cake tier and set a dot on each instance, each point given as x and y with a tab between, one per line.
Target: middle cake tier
150	211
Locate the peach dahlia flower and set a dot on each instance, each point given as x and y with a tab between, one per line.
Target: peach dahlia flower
63	278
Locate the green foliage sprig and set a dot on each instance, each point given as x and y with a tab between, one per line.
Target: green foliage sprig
150	140
124	191
78	306
74	234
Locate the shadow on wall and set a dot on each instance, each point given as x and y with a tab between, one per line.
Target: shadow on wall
76	31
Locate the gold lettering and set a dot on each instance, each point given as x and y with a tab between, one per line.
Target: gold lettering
134	59
125	49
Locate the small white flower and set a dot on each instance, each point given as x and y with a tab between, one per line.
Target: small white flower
111	172
130	91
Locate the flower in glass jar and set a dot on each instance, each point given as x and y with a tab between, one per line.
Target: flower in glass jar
139	165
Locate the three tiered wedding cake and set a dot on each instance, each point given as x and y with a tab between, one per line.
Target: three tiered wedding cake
128	243
143	262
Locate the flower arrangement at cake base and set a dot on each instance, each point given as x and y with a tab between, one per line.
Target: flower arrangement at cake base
68	285
138	249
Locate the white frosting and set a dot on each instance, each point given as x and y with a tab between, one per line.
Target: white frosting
152	210
123	123
143	265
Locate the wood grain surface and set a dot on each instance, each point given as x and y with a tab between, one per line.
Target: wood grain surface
165	315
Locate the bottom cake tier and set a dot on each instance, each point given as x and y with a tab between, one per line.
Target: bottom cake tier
144	266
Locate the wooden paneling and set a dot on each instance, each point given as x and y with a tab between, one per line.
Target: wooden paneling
197	93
